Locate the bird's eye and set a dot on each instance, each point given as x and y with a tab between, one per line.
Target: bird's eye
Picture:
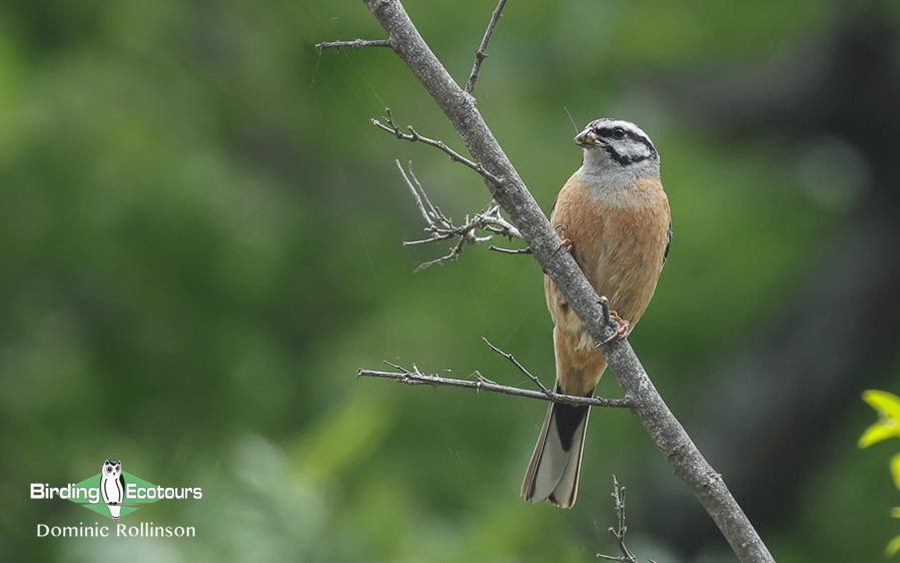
618	133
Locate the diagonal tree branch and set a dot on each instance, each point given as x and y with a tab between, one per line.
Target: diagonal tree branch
512	195
481	53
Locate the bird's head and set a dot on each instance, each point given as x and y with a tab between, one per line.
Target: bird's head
617	144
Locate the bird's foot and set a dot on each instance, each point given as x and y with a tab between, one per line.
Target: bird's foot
566	243
623	328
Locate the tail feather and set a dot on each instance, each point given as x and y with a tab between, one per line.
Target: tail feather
556	461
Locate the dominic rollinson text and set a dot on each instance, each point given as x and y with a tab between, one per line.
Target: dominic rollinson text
97	530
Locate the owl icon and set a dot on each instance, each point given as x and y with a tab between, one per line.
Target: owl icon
112	486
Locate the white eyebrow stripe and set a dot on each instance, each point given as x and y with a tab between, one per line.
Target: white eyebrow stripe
631	127
627	125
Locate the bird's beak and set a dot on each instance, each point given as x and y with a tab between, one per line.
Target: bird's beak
586	138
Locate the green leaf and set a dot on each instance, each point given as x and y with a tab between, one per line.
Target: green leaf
888	407
887	404
895	469
895	512
892	547
881	430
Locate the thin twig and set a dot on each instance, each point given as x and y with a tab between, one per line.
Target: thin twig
451	256
520	367
428	213
501	250
413	136
440	227
353	44
478	377
415	377
481	53
434	210
621	529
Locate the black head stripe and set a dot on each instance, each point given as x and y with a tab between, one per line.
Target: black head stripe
620	158
643	140
631	134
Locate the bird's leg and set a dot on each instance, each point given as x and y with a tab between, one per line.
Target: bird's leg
623	328
566	243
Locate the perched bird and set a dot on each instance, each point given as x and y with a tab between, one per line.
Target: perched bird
614	217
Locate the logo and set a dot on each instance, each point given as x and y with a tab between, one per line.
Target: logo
114	493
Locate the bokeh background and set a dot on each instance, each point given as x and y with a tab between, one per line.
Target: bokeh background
200	244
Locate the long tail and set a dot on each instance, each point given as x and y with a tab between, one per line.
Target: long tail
556	462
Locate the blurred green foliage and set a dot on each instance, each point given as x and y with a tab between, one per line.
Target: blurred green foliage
200	244
887	405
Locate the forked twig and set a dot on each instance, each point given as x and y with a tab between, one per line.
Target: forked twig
521	368
621	529
440	227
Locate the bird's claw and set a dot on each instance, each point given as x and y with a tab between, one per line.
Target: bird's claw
623	328
566	245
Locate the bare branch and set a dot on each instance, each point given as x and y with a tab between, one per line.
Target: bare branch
441	227
481	53
621	529
415	377
353	44
501	250
513	196
429	213
436	212
520	367
413	136
451	256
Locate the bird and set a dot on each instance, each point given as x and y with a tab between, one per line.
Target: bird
613	216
